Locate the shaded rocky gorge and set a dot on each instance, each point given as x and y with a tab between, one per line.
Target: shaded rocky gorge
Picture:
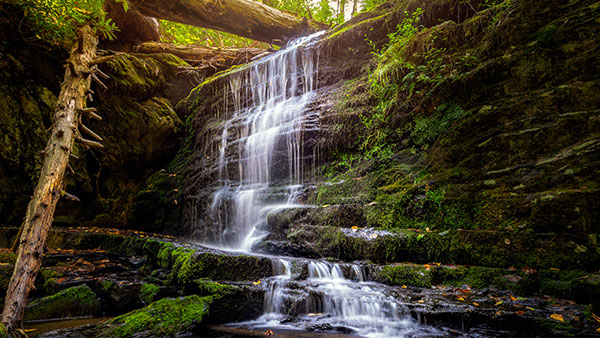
444	185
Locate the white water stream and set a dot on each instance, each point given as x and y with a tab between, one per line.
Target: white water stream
264	137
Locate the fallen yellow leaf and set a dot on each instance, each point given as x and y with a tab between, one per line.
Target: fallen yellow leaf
596	318
421	301
513	298
404	286
354	227
530	308
598	329
499	302
257	282
555	269
460	298
427	229
427	266
498	312
325	205
558	317
475	303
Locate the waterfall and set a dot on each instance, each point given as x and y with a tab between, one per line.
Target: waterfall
261	151
259	159
328	301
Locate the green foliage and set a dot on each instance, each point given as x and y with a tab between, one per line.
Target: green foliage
56	21
369	5
324	13
385	87
186	35
424	130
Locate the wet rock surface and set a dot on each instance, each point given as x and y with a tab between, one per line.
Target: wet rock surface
428	292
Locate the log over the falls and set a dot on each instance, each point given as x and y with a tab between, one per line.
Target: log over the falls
204	57
245	18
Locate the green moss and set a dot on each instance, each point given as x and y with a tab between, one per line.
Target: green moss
74	301
183	266
191	266
214	289
166	317
3	331
414	275
149	292
107	285
8	257
164	254
158	203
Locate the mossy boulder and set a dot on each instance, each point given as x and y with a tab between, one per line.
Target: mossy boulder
149	292
189	267
163	318
71	302
413	275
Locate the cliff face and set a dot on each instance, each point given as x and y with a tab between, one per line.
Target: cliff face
476	116
141	134
474	123
489	121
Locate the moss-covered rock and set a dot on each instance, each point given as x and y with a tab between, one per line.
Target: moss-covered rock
149	292
71	302
413	275
192	266
163	318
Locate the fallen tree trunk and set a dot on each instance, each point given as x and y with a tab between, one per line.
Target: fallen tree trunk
217	58
40	211
245	18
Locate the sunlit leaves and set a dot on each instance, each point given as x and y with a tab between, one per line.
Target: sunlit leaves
56	21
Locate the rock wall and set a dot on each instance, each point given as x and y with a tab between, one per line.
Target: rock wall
121	185
484	119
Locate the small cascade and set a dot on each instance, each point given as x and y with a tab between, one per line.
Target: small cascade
275	296
261	150
329	301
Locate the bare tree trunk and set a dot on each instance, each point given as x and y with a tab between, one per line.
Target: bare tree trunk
217	58
246	18
49	189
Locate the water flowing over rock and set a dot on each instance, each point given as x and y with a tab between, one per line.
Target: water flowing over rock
333	297
260	152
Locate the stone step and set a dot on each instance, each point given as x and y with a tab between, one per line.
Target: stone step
291	234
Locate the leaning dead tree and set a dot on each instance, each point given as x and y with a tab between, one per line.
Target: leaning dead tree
204	57
67	123
246	18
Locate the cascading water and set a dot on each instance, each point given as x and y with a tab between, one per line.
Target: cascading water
329	301
264	137
260	169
